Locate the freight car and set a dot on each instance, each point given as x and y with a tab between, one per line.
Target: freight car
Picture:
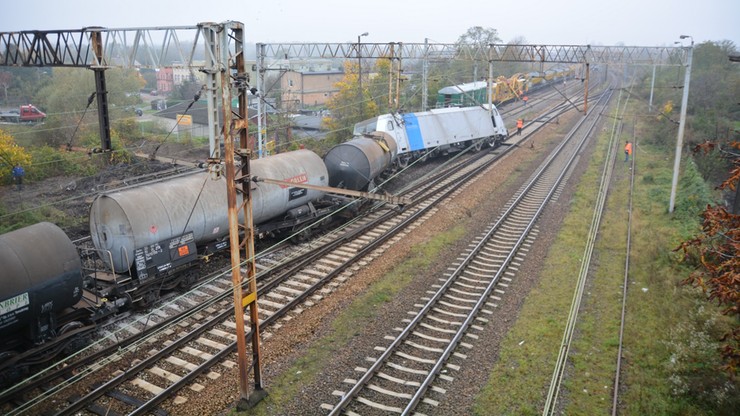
44	309
476	93
149	238
503	90
393	140
35	291
157	234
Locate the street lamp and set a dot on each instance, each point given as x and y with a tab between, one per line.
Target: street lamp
359	70
681	124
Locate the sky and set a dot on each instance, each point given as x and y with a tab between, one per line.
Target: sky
553	22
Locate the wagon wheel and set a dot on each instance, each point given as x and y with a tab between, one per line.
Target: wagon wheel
300	236
478	145
403	162
187	280
148	298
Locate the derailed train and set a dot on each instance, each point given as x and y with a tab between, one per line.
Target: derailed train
154	237
391	141
151	238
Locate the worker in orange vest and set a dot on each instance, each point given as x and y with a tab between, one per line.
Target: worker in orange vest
627	151
519	125
525	99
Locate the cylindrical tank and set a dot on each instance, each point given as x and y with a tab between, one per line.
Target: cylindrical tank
354	163
123	221
40	272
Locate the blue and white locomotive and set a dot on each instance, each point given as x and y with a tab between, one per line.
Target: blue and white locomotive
393	140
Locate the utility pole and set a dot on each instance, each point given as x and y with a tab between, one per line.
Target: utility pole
240	183
359	73
681	124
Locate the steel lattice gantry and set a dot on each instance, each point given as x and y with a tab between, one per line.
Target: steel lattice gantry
205	47
631	55
268	53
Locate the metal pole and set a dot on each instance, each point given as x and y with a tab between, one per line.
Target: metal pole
260	90
652	88
101	92
585	91
359	72
681	124
490	82
390	77
425	76
398	79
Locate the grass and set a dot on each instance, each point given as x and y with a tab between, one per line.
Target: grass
668	353
350	322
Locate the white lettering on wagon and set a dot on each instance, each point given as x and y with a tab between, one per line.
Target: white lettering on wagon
14	303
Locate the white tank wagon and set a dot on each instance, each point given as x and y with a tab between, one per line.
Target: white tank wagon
126	221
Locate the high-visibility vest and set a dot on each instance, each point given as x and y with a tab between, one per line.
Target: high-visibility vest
519	123
628	148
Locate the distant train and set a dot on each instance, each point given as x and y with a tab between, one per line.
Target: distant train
393	140
502	89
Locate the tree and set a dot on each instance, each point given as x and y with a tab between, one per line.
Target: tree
479	38
10	154
5	82
345	106
65	98
718	271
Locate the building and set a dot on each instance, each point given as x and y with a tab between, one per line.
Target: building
305	89
165	81
171	77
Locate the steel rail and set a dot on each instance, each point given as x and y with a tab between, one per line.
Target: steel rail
349	396
558	372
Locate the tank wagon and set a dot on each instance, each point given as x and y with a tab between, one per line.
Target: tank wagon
150	238
428	133
41	275
355	163
159	232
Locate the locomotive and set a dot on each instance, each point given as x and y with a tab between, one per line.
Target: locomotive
154	237
391	141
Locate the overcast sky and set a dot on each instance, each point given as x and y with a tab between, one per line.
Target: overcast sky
571	22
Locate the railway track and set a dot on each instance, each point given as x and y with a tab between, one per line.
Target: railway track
197	334
409	374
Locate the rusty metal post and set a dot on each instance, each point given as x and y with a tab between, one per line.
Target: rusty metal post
246	189
236	277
